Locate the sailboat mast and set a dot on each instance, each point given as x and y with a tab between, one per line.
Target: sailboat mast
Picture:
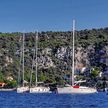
73	52
23	59
19	79
32	68
36	46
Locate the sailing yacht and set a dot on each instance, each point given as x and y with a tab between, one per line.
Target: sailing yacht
36	88
21	89
74	88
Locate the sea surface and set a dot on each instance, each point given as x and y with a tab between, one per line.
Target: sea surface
52	100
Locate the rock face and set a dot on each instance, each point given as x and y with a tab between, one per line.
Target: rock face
46	51
63	52
45	62
84	57
9	59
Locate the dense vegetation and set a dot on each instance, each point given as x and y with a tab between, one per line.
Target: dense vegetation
10	47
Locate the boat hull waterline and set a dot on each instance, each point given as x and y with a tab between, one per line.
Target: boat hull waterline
40	90
22	89
72	90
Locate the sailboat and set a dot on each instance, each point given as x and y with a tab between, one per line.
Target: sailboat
22	88
36	88
74	88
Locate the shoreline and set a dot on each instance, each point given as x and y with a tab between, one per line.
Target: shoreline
13	89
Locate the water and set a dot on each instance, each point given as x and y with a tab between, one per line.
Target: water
26	100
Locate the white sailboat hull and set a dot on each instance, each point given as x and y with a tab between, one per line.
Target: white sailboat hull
80	90
39	90
22	89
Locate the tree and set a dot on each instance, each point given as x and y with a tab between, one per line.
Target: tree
1	76
95	72
11	84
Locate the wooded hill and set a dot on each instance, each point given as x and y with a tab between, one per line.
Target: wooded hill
54	53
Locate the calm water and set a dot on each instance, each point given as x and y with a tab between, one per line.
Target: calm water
26	100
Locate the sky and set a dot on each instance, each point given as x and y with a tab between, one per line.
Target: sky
52	15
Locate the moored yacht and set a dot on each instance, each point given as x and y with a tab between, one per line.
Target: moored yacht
21	87
40	89
37	88
74	88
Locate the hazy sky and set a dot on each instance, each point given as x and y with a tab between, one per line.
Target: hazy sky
55	15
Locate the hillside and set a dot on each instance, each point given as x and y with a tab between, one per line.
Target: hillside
54	54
